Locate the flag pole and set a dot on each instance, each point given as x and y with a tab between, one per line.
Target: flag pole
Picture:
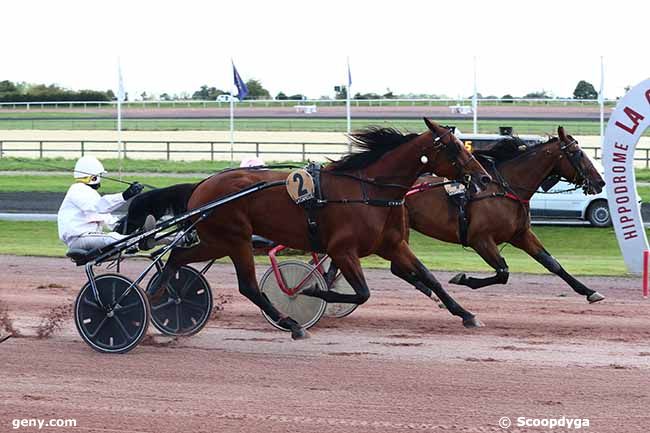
347	104
347	101
475	101
120	97
601	100
232	125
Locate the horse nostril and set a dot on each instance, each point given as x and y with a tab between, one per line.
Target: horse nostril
485	179
601	183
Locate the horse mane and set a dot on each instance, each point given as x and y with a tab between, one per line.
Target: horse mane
505	149
511	148
371	144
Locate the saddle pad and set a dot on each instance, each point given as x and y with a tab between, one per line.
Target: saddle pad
300	186
454	189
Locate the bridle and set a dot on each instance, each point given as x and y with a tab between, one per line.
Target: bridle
453	153
574	156
575	159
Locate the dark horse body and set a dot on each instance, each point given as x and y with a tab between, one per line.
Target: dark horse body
348	231
496	219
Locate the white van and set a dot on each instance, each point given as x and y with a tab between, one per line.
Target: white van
226	98
574	204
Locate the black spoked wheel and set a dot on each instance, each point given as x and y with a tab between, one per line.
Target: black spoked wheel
121	323
185	307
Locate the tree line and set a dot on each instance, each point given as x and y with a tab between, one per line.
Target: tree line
24	92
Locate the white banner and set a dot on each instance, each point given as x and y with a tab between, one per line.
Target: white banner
626	125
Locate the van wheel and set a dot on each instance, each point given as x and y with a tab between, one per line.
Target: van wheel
598	214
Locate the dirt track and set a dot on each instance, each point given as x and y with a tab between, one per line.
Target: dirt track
398	363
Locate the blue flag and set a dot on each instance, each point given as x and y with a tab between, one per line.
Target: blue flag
242	90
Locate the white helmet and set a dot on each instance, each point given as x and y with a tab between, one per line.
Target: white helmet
88	170
252	162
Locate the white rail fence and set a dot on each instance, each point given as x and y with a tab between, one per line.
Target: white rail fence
454	104
212	150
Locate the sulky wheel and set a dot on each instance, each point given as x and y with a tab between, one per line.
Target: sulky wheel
121	323
338	285
306	310
185	307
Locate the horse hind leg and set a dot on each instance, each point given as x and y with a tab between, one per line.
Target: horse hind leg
405	264
178	258
351	269
489	252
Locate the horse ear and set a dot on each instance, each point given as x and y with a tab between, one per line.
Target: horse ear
431	125
561	133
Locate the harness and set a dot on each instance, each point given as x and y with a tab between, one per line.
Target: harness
313	200
462	199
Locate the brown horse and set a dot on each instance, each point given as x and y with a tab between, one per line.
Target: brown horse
364	215
500	213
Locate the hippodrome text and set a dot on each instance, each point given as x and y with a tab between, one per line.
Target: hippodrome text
620	156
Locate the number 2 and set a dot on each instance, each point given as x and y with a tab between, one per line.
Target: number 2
297	177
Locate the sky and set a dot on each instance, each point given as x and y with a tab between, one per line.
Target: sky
406	46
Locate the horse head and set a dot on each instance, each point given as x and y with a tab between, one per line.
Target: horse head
448	157
575	166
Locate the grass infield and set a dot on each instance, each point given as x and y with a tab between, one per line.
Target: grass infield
81	122
567	244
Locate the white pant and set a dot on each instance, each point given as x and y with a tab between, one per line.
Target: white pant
89	241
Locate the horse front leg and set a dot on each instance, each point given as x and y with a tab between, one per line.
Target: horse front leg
350	267
528	242
242	257
489	252
404	263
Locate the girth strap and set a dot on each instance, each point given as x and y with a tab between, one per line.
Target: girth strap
311	208
463	217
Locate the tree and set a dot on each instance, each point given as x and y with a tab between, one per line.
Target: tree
256	90
341	92
585	90
206	93
7	86
366	96
536	95
281	96
165	97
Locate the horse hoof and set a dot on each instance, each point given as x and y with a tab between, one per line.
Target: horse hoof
458	279
299	334
595	297
472	322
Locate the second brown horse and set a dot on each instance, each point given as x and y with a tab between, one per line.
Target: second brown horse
500	213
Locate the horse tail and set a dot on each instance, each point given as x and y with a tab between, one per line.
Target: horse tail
158	202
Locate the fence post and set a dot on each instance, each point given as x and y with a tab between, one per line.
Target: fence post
257	150
646	158
40	149
211	151
1	152
82	149
303	152
168	151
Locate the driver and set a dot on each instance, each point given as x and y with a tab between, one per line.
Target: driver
84	213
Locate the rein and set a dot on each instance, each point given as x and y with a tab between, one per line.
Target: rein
83	172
